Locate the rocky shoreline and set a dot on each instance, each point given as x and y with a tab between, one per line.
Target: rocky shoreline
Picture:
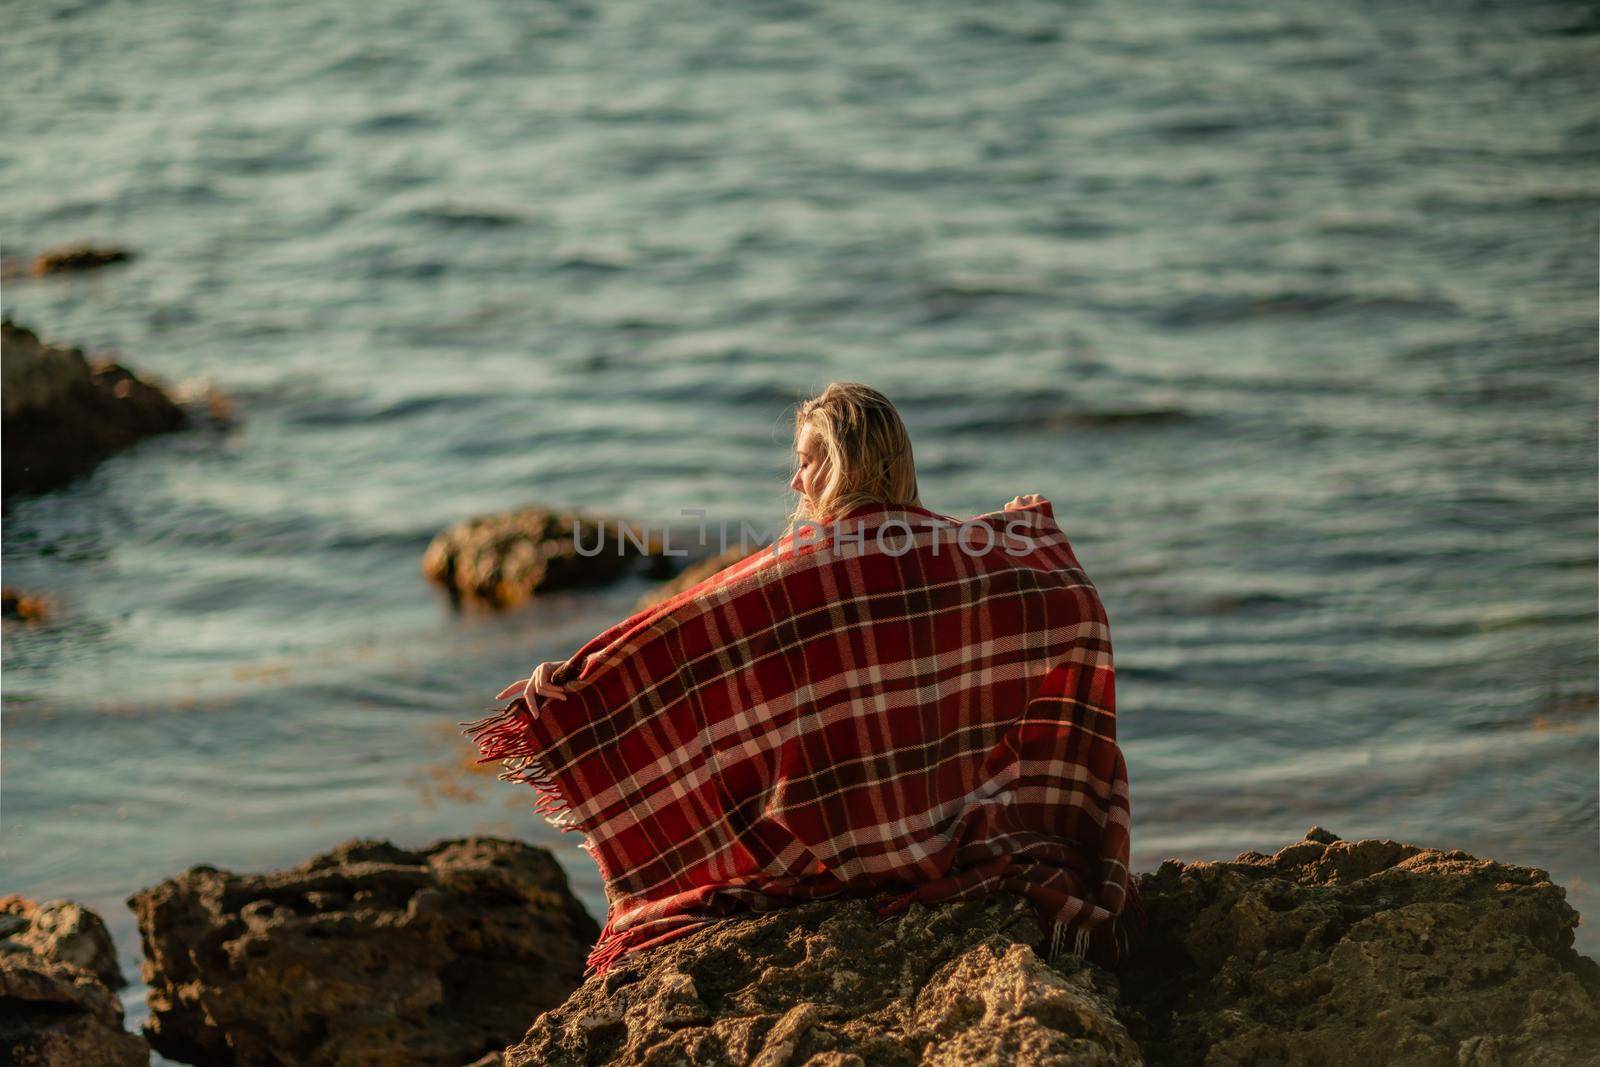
470	952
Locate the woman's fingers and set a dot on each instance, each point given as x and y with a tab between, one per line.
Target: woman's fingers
1023	501
536	684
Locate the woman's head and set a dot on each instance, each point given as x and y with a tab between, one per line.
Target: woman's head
850	449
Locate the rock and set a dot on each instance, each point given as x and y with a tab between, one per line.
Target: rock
37	376
503	559
73	258
366	954
63	931
693	574
827	984
62	414
56	960
54	1014
16	604
1328	953
1366	952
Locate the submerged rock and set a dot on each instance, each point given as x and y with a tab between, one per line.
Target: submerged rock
502	560
17	604
63	414
57	971
366	954
79	257
828	984
1360	952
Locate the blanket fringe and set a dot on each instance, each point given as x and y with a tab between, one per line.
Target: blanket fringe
1107	943
613	945
504	736
607	947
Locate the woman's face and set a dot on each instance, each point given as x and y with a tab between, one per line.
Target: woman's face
810	473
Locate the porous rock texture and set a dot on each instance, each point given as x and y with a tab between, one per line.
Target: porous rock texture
1327	953
57	971
1332	952
64	931
367	954
64	414
828	984
500	560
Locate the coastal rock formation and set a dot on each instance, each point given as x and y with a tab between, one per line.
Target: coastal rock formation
1360	952
501	560
63	414
827	984
57	970
1328	952
369	953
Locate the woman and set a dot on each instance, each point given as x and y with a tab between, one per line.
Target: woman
851	448
925	715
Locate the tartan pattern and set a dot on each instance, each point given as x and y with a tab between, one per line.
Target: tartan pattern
886	713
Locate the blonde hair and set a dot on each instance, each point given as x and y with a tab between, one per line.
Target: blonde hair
865	446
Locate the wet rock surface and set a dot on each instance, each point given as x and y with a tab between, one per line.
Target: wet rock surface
63	413
1360	952
829	985
369	953
501	560
57	972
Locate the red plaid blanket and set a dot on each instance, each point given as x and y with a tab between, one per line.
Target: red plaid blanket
875	705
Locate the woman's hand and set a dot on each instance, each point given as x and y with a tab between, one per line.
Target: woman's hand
537	683
1026	500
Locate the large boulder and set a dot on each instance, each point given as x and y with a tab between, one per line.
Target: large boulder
501	560
367	954
63	414
1339	952
57	971
828	984
1326	953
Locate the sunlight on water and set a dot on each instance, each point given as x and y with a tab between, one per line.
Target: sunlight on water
1291	314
